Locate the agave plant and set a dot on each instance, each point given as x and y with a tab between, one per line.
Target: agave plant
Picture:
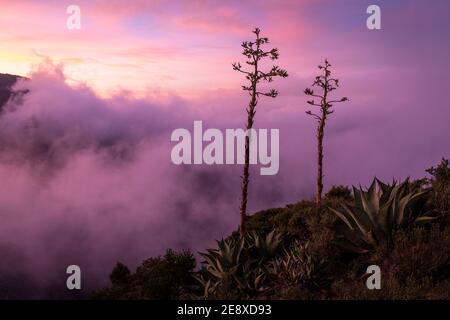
378	213
238	264
226	259
221	265
298	266
266	246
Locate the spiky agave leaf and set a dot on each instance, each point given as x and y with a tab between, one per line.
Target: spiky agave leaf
238	264
298	266
377	213
266	246
224	260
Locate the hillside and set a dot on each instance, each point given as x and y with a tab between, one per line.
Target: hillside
317	251
6	83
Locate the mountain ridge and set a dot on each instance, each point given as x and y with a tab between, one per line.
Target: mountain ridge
7	81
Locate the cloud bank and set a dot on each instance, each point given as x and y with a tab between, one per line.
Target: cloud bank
88	180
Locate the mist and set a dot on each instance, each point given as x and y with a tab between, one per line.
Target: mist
89	180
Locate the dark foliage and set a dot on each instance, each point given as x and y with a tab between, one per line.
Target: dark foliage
7	81
441	186
156	278
340	192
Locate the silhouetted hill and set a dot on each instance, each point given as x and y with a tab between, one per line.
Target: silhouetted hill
6	83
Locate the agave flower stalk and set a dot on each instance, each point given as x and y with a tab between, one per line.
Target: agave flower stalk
326	84
254	52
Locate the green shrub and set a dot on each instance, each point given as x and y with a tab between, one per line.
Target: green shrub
441	186
339	192
422	252
156	278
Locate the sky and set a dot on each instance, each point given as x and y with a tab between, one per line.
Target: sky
85	156
187	47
